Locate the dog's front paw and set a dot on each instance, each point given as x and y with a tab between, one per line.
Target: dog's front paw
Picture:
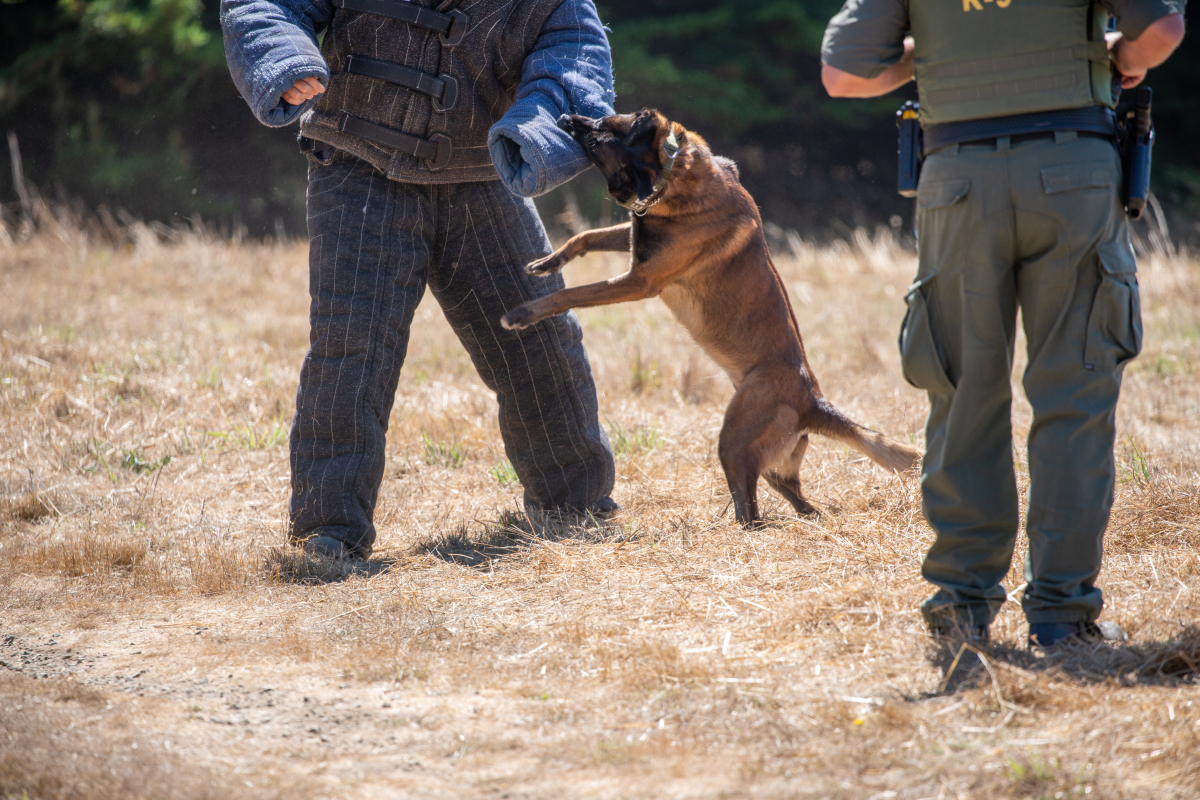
520	317
545	266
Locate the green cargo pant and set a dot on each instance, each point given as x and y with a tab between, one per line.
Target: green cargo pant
1035	224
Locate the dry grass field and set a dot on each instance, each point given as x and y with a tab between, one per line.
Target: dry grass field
158	639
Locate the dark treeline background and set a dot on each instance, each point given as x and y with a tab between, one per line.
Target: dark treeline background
128	104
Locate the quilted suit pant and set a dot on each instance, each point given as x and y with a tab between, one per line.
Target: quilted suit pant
374	246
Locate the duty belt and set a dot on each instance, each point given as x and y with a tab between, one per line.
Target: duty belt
443	88
434	151
1090	119
452	27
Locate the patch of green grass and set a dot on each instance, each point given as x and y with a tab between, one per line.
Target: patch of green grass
245	437
212	377
634	439
1048	777
443	454
1135	468
135	463
503	473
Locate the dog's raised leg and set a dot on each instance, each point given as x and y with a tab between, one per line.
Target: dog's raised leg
613	240
785	479
629	286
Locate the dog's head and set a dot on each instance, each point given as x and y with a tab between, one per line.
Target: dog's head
631	150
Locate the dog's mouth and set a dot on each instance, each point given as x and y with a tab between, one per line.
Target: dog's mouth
622	183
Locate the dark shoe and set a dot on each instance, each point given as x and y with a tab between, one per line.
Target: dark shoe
326	547
1050	634
543	518
971	634
605	507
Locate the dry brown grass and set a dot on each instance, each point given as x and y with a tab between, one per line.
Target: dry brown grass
145	394
65	741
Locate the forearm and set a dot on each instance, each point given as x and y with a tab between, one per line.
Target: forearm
1153	47
567	71
839	83
269	45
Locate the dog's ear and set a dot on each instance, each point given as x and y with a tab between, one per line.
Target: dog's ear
644	128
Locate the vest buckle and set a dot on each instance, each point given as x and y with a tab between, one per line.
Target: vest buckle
459	22
449	98
445	148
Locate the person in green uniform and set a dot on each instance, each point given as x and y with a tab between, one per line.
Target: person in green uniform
1018	207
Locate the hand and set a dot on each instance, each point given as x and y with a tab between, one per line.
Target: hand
1129	77
1130	80
303	90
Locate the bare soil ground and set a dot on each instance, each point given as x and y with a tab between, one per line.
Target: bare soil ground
159	639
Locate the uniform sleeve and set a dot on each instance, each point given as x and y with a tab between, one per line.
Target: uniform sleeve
568	71
1134	16
866	36
270	44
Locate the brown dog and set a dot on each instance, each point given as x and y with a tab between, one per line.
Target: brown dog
697	241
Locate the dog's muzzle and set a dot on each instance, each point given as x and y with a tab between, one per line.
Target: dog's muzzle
577	126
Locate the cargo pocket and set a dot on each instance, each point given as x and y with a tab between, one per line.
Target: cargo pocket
1114	329
920	360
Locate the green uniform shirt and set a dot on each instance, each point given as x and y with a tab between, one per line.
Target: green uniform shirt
867	36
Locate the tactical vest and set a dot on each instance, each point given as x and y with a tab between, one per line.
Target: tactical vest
415	86
997	58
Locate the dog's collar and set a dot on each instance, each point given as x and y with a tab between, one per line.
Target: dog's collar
670	151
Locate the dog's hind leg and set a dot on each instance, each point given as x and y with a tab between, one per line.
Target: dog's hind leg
785	478
758	431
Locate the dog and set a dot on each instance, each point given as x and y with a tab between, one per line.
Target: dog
696	241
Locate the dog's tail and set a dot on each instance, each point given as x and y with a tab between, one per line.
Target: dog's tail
874	445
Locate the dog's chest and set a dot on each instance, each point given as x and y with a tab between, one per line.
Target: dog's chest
691	315
685	307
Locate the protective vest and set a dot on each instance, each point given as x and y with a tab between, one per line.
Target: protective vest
415	86
995	58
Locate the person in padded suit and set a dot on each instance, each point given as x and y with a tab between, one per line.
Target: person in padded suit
428	127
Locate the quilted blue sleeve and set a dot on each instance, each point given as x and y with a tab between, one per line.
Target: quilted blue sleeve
569	71
270	44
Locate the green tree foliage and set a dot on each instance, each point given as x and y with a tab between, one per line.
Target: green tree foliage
128	103
746	76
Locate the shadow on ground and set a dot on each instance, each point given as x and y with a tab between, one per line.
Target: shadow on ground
510	534
1170	662
293	566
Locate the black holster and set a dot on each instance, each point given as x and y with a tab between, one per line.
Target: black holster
1135	141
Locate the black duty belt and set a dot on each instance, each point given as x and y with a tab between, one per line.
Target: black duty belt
1091	119
443	88
451	27
435	151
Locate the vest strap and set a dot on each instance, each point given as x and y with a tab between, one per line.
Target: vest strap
1092	51
451	27
443	88
435	152
1089	119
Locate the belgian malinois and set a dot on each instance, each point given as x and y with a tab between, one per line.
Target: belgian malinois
696	240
